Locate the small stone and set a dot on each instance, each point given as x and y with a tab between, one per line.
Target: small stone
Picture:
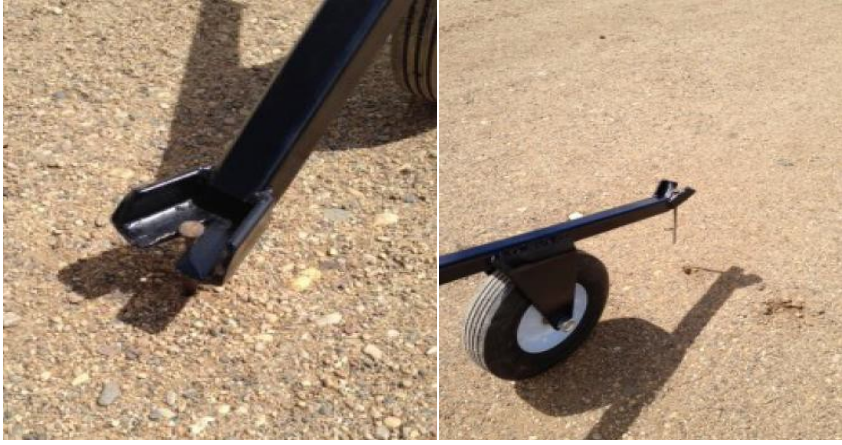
392	422
200	425
381	432
161	414
386	219
433	351
132	354
10	319
330	265
223	410
101	221
122	173
337	215
75	298
329	319
171	398
110	393
306	279
326	409
574	215
110	350
191	229
81	379
373	352
391	333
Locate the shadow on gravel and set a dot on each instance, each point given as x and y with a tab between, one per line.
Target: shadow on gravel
626	363
217	94
144	281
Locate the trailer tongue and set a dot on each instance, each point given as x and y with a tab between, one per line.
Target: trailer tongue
543	297
233	201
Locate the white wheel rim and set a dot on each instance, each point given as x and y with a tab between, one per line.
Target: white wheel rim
536	335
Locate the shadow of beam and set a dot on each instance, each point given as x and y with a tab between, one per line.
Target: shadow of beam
626	363
217	93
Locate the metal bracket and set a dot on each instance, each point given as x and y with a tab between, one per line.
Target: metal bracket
234	199
544	272
477	259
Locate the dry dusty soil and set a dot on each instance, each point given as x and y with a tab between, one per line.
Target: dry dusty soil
329	328
553	107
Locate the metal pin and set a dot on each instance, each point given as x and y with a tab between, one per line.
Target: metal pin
675	225
190	230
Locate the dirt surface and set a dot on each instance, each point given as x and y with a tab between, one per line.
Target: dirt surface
329	328
553	107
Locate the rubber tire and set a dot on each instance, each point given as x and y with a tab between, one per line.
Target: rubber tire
414	50
490	329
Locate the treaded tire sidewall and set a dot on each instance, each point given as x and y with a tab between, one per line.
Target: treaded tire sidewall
414	50
490	332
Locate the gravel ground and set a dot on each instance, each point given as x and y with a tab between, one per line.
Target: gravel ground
329	328
601	99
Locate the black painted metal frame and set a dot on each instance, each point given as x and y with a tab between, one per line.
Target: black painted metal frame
541	263
234	200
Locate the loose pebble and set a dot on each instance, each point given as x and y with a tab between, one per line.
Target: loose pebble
306	279
373	352
81	379
110	392
10	319
161	414
329	319
385	219
200	425
392	422
381	432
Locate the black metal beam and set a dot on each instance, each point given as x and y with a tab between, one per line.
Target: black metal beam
306	95
480	258
235	199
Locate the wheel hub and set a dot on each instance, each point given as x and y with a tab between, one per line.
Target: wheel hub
536	335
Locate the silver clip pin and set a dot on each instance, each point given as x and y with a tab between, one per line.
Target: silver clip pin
675	225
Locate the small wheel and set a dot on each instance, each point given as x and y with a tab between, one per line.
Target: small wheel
508	337
414	50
